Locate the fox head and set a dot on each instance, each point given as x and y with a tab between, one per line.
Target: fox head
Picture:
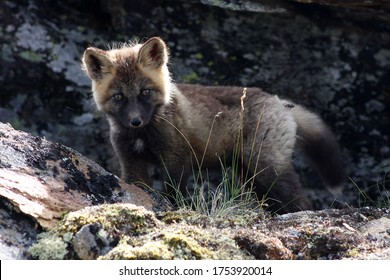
130	84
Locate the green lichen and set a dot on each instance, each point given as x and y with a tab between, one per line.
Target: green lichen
191	78
49	247
17	124
154	250
31	56
353	253
186	248
194	218
123	217
171	217
140	235
198	56
180	242
6	53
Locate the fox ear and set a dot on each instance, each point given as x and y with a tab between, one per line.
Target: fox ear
153	53
96	63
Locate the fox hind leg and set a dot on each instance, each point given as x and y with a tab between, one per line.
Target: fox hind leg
268	153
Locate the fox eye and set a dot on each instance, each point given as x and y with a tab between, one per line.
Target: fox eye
145	92
118	97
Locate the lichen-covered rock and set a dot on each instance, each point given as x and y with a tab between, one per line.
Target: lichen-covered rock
262	246
125	231
49	247
44	180
329	234
91	241
131	232
126	218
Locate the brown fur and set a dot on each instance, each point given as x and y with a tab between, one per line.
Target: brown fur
153	120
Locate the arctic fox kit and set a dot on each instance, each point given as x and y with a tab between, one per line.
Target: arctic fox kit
153	120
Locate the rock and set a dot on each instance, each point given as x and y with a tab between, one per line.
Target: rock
17	232
262	246
44	180
330	234
91	241
49	247
378	229
40	182
140	235
123	231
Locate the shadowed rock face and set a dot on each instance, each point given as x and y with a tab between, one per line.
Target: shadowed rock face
332	57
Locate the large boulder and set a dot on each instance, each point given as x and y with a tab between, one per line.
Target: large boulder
41	181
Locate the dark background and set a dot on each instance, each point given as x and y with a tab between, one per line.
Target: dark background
333	58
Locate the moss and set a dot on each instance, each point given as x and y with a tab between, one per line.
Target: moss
117	219
191	242
187	248
6	53
191	78
128	218
353	253
177	242
194	218
198	56
155	250
49	247
139	235
31	56
16	123
174	217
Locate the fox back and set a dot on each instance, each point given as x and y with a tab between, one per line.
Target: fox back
155	121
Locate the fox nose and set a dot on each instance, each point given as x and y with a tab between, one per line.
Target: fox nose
136	122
